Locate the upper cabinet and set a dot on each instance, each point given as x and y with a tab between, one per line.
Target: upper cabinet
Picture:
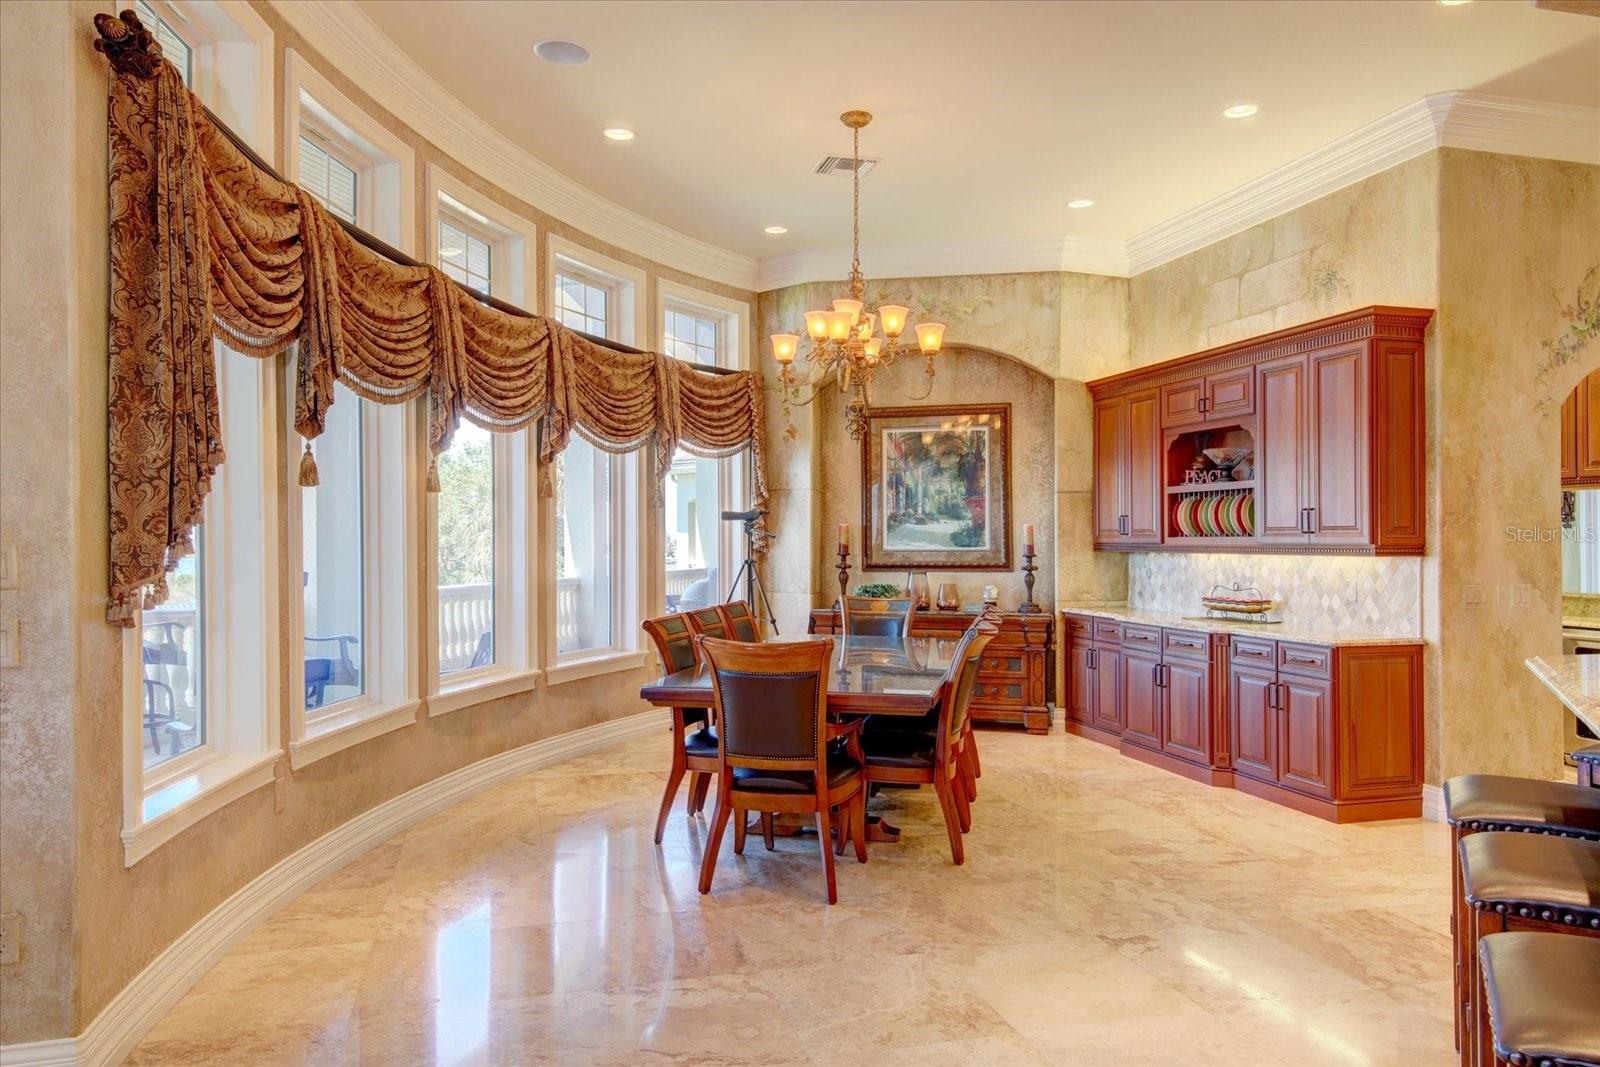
1310	439
1580	434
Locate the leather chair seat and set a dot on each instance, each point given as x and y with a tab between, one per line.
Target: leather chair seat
701	742
758	780
1555	874
1491	801
913	751
900	724
1542	991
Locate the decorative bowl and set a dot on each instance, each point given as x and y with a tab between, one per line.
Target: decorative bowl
1226	457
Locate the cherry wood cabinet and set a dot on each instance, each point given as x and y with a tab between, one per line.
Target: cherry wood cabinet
1580	435
1335	411
1331	730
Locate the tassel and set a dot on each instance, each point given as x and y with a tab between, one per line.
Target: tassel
308	469
433	474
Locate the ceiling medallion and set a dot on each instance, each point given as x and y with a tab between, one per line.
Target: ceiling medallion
844	342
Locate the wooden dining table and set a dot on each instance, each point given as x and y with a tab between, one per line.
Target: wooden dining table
868	676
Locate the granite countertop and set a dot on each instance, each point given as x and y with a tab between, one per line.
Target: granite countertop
1275	631
1576	680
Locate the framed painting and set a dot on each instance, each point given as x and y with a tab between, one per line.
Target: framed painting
936	488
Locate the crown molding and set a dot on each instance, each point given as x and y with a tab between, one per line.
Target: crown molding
348	39
1018	255
1513	127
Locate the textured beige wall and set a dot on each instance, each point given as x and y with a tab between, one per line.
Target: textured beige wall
90	924
1517	237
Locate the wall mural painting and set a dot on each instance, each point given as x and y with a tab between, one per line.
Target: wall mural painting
936	488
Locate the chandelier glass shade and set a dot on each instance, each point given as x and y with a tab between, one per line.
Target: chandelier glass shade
850	342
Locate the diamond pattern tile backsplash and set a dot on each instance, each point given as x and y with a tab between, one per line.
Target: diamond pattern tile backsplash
1377	595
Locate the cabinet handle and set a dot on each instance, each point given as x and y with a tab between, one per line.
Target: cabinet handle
1155	675
1309	661
1088	659
1272	696
1311	520
1205	405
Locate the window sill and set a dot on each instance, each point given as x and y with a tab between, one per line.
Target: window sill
338	732
589	666
184	801
480	690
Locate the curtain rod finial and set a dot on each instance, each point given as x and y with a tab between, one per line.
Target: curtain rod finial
130	48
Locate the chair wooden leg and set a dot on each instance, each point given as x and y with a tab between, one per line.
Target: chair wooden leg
699	792
858	826
964	767
719	822
952	819
766	829
841	828
741	826
674	778
825	844
971	746
958	793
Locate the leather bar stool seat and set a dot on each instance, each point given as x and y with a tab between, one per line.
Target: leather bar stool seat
1543	994
1497	802
1533	876
1588	761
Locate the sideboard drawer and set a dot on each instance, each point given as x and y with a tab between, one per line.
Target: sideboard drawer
1007	693
1079	626
1141	636
1255	651
1314	660
1107	632
1184	644
1002	666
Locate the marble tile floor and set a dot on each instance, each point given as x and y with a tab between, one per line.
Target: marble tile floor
1107	912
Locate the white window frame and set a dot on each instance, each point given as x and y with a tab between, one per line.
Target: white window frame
630	497
391	444
733	475
233	71
513	243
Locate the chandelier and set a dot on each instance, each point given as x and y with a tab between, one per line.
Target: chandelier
845	342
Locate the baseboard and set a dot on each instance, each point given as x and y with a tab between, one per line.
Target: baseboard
142	1002
1433	802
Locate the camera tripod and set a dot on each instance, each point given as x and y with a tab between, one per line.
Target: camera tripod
747	570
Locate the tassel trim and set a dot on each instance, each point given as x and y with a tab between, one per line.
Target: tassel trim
433	474
309	477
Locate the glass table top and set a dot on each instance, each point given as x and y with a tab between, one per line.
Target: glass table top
885	667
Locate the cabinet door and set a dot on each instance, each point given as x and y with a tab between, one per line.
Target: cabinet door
1080	680
1253	722
1281	439
1588	423
1143	485
1569	434
1230	394
1181	402
1107	706
1109	461
1305	752
1141	699
1188	698
1340	503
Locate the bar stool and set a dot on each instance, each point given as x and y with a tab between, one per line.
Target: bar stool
1541	991
1588	761
1478	802
1522	881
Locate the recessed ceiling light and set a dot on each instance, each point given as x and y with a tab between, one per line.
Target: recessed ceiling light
777	231
618	133
1239	111
564	53
1454	3
1079	205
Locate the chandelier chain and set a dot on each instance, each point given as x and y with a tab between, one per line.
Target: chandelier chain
855	209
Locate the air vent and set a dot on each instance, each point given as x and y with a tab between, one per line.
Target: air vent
843	165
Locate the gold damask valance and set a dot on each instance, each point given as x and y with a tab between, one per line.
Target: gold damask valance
205	243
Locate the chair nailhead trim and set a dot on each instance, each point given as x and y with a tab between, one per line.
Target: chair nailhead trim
1526	828
1585	917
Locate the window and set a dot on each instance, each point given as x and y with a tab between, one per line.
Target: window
582	304
200	671
464	256
701	552
466	551
327	177
332	564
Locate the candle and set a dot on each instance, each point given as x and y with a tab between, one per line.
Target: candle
1027	538
844	537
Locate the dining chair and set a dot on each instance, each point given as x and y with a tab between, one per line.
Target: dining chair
779	753
708	622
869	616
739	621
694	752
939	758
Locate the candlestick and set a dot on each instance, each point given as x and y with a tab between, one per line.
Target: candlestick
1027	537
1028	607
844	571
844	537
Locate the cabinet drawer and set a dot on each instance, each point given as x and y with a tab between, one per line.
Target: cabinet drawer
1002	666
1079	626
1141	636
1313	660
1007	693
1184	644
1107	632
1254	650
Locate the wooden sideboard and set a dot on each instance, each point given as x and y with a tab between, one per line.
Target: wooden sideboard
1016	683
1580	435
1331	730
1332	413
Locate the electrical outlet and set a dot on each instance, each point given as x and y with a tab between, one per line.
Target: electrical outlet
10	938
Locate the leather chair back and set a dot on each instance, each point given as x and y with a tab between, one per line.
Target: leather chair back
740	621
866	616
674	641
708	622
961	679
772	702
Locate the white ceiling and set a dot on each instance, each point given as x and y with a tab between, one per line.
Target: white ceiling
989	116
